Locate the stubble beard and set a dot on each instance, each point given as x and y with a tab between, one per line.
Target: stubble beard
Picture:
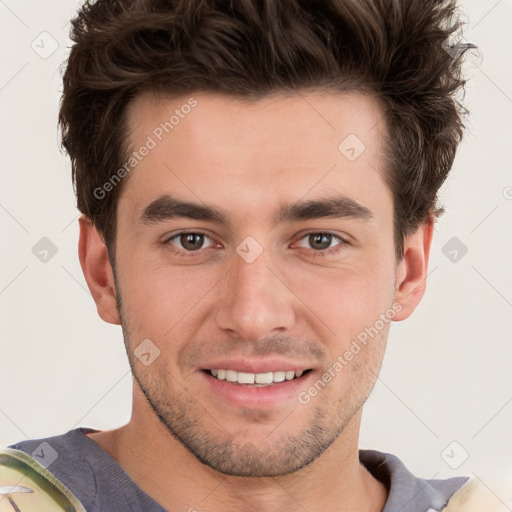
188	421
282	453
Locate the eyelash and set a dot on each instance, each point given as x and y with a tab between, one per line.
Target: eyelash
183	253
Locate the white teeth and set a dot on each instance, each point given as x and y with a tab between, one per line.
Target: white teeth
279	376
264	378
231	375
255	378
245	378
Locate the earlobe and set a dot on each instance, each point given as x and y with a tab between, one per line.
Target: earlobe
97	271
411	275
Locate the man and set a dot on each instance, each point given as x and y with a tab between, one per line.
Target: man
258	184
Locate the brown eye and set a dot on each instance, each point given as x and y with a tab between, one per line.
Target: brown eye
320	241
192	241
189	241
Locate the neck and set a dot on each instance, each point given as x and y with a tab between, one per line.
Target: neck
165	470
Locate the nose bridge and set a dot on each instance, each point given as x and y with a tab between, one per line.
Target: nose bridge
255	301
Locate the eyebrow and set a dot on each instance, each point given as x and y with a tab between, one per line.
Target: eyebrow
167	207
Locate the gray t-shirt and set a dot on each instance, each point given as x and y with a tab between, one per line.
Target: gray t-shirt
102	485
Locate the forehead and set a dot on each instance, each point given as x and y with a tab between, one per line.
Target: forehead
278	117
206	146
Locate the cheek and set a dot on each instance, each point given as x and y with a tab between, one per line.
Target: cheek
159	300
345	300
339	302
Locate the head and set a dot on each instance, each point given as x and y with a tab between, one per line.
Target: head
312	138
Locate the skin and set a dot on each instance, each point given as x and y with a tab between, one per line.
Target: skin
185	445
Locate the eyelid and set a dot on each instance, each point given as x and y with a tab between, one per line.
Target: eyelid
343	240
332	250
172	236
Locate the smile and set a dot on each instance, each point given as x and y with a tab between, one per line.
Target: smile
256	379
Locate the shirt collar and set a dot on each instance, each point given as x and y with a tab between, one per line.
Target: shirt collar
408	493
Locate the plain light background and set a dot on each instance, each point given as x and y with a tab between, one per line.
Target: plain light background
444	396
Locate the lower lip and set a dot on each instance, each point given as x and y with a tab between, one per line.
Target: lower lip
257	397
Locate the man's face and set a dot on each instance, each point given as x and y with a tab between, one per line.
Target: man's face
247	291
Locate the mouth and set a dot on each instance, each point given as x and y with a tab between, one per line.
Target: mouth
264	379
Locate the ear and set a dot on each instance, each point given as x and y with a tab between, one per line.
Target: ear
93	255
411	275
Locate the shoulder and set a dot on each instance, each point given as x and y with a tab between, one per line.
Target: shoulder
27	484
68	458
90	473
491	495
406	491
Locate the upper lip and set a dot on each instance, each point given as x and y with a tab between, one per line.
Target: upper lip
257	366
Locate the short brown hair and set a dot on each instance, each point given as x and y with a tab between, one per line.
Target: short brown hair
394	49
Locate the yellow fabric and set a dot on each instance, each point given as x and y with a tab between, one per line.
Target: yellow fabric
477	496
19	472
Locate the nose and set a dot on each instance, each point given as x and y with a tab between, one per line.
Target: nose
255	302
